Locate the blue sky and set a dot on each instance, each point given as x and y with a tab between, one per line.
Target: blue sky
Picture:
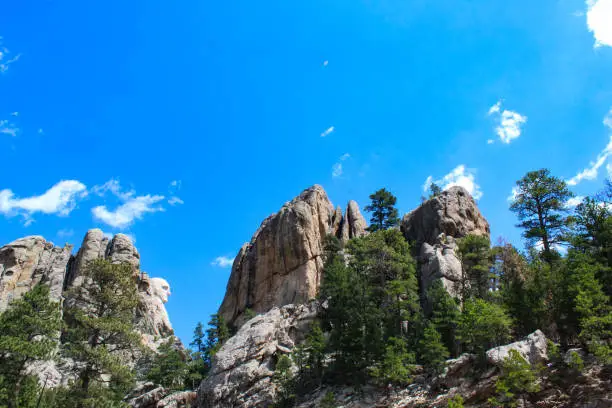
186	123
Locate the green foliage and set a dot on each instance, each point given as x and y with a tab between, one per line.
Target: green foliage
309	358
455	402
100	316
328	401
432	351
29	330
517	379
540	204
285	383
575	362
482	325
445	315
249	314
384	213
396	367
216	334
474	251
434	190
371	299
169	368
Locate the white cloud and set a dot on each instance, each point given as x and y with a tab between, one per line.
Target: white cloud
490	141
132	209
65	233
60	199
223	262
8	128
345	156
5	58
591	172
574	201
510	123
327	131
174	200
608	119
114	187
513	194
337	170
176	184
325	63
599	21
459	176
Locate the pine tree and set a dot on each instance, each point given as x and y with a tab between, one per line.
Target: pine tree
476	262
199	365
434	190
517	379
432	351
100	332
216	334
445	315
397	364
384	213
482	325
169	368
29	331
540	204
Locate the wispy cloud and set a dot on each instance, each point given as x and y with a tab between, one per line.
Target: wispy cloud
133	208
6	58
327	131
174	200
325	63
60	199
591	172
574	201
337	169
176	184
459	176
65	233
509	123
8	128
513	194
223	262
599	21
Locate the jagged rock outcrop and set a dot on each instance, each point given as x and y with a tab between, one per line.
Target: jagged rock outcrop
242	369
283	262
28	261
453	213
440	262
533	348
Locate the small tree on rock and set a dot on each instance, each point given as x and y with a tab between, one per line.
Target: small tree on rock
384	213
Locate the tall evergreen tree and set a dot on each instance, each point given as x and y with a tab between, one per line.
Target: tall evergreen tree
384	213
445	315
476	262
540	204
482	325
432	351
100	332
29	331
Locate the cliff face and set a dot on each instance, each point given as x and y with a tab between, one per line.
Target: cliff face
31	260
282	264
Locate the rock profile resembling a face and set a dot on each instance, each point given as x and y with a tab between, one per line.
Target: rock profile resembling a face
160	288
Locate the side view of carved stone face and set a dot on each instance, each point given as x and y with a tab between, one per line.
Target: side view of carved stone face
160	288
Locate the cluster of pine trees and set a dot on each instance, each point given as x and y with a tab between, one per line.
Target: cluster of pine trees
99	345
374	329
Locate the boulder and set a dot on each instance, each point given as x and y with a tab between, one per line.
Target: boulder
533	348
282	264
453	213
242	369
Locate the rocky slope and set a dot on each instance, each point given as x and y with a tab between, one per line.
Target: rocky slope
28	261
282	263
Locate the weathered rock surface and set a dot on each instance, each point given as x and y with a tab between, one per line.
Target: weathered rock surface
440	262
243	367
283	262
453	213
533	349
28	261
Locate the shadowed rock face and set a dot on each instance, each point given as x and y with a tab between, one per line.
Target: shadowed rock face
283	262
453	213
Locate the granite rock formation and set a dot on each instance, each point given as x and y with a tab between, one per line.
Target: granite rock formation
453	213
32	260
282	264
242	369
